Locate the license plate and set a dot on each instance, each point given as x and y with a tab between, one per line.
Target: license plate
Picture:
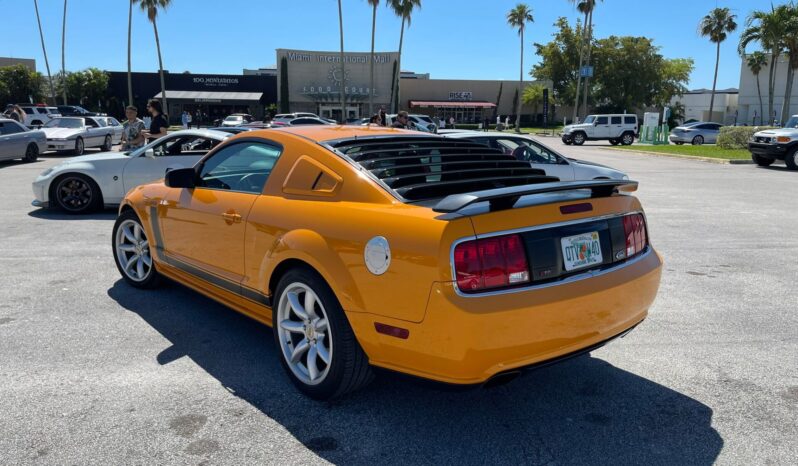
581	251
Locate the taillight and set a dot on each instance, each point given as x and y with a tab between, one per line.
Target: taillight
490	263
634	227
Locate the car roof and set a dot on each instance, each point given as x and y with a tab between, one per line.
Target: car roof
322	133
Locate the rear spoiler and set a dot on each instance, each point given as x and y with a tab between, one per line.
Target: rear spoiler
507	197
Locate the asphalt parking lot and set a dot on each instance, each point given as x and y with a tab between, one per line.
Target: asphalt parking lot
94	371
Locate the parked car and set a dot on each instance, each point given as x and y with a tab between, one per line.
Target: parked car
617	129
696	133
419	122
539	156
114	124
301	121
367	246
38	115
291	116
76	110
83	184
776	144
74	134
19	142
237	119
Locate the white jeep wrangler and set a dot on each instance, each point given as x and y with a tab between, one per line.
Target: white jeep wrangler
618	129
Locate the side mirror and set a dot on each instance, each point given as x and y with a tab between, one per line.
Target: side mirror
149	153
595	123
180	178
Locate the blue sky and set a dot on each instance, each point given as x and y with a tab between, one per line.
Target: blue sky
464	39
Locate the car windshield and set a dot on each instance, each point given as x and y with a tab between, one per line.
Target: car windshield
73	123
792	122
589	119
233	118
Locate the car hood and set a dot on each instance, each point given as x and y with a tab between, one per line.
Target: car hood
592	164
579	126
792	132
61	133
92	158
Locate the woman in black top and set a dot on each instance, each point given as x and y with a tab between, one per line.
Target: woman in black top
159	125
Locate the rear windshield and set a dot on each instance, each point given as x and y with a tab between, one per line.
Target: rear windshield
425	168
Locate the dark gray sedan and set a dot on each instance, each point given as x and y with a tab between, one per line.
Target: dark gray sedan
19	142
695	133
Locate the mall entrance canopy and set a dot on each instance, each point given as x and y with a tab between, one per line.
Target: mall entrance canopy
215	104
463	112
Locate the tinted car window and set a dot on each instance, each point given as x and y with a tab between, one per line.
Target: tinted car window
616	120
28	110
630	120
240	167
306	121
601	120
9	127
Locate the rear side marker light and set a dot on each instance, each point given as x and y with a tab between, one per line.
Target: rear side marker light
392	331
634	227
490	263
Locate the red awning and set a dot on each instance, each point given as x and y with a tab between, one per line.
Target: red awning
446	103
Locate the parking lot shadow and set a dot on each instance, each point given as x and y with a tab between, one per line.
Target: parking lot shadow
53	214
584	411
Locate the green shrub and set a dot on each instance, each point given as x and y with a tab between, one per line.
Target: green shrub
736	137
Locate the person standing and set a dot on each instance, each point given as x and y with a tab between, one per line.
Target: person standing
401	121
159	125
188	119
451	122
198	118
383	116
184	119
132	130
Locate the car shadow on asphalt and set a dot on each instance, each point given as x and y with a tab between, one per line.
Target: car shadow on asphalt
54	214
583	411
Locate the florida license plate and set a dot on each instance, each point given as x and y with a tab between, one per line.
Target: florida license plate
581	251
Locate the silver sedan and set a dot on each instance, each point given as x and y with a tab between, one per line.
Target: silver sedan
19	142
695	133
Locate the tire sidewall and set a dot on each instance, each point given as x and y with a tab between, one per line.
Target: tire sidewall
107	143
154	278
791	159
31	153
698	141
579	139
80	146
627	139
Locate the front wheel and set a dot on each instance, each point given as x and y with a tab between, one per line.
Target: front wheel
319	350
566	140
132	252
762	161
107	144
578	139
627	139
614	142
79	146
791	159
76	194
31	153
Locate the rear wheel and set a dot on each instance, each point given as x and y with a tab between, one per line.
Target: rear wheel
627	139
76	194
132	252
614	142
578	138
31	153
319	350
698	140
107	144
678	143
762	161
791	159
79	146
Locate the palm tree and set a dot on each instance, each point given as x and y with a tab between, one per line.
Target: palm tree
517	18
716	25
129	32
152	7
403	9
767	29
374	4
788	14
63	47
343	70
585	7
533	95
756	61
44	51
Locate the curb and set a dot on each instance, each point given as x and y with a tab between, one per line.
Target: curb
682	156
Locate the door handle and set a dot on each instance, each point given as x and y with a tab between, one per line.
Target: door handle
231	217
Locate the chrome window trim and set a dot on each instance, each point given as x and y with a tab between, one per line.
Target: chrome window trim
565	281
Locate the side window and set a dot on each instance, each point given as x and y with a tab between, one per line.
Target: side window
630	120
534	153
28	110
41	110
602	120
616	120
241	167
7	128
91	123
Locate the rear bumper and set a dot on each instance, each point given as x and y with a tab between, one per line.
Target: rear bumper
468	340
773	151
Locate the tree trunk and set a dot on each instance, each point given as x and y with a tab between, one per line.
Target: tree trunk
587	62
343	69
129	76
395	101
160	69
714	83
774	61
371	64
63	48
785	108
44	51
761	106
520	87
579	70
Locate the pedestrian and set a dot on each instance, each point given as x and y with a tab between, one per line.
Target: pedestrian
375	119
159	124
188	119
507	122
451	122
184	119
487	124
132	130
198	119
437	121
15	113
401	121
383	116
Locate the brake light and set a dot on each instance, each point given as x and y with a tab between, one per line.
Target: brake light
490	263
634	227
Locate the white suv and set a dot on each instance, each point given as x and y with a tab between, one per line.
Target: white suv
38	115
618	129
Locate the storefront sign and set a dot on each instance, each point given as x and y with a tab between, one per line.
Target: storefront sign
208	101
461	96
379	59
216	82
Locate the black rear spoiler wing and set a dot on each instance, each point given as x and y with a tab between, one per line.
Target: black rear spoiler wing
507	197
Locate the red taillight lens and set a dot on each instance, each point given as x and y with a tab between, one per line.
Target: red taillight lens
490	263
634	228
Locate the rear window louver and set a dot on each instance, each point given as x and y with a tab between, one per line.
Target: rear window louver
419	169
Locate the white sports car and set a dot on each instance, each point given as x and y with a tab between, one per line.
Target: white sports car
540	156
75	134
86	183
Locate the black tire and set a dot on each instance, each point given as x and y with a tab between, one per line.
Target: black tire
578	138
80	146
791	159
107	144
698	140
153	278
566	140
75	193
614	142
627	139
762	161
679	143
349	368
31	153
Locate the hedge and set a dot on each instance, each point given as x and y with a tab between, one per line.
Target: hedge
736	137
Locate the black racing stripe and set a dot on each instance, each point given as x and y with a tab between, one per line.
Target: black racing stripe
156	232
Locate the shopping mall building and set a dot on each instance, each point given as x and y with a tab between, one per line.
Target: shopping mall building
311	81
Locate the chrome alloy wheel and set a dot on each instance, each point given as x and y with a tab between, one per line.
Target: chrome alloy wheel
303	330
133	250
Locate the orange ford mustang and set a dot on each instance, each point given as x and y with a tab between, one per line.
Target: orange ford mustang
439	258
